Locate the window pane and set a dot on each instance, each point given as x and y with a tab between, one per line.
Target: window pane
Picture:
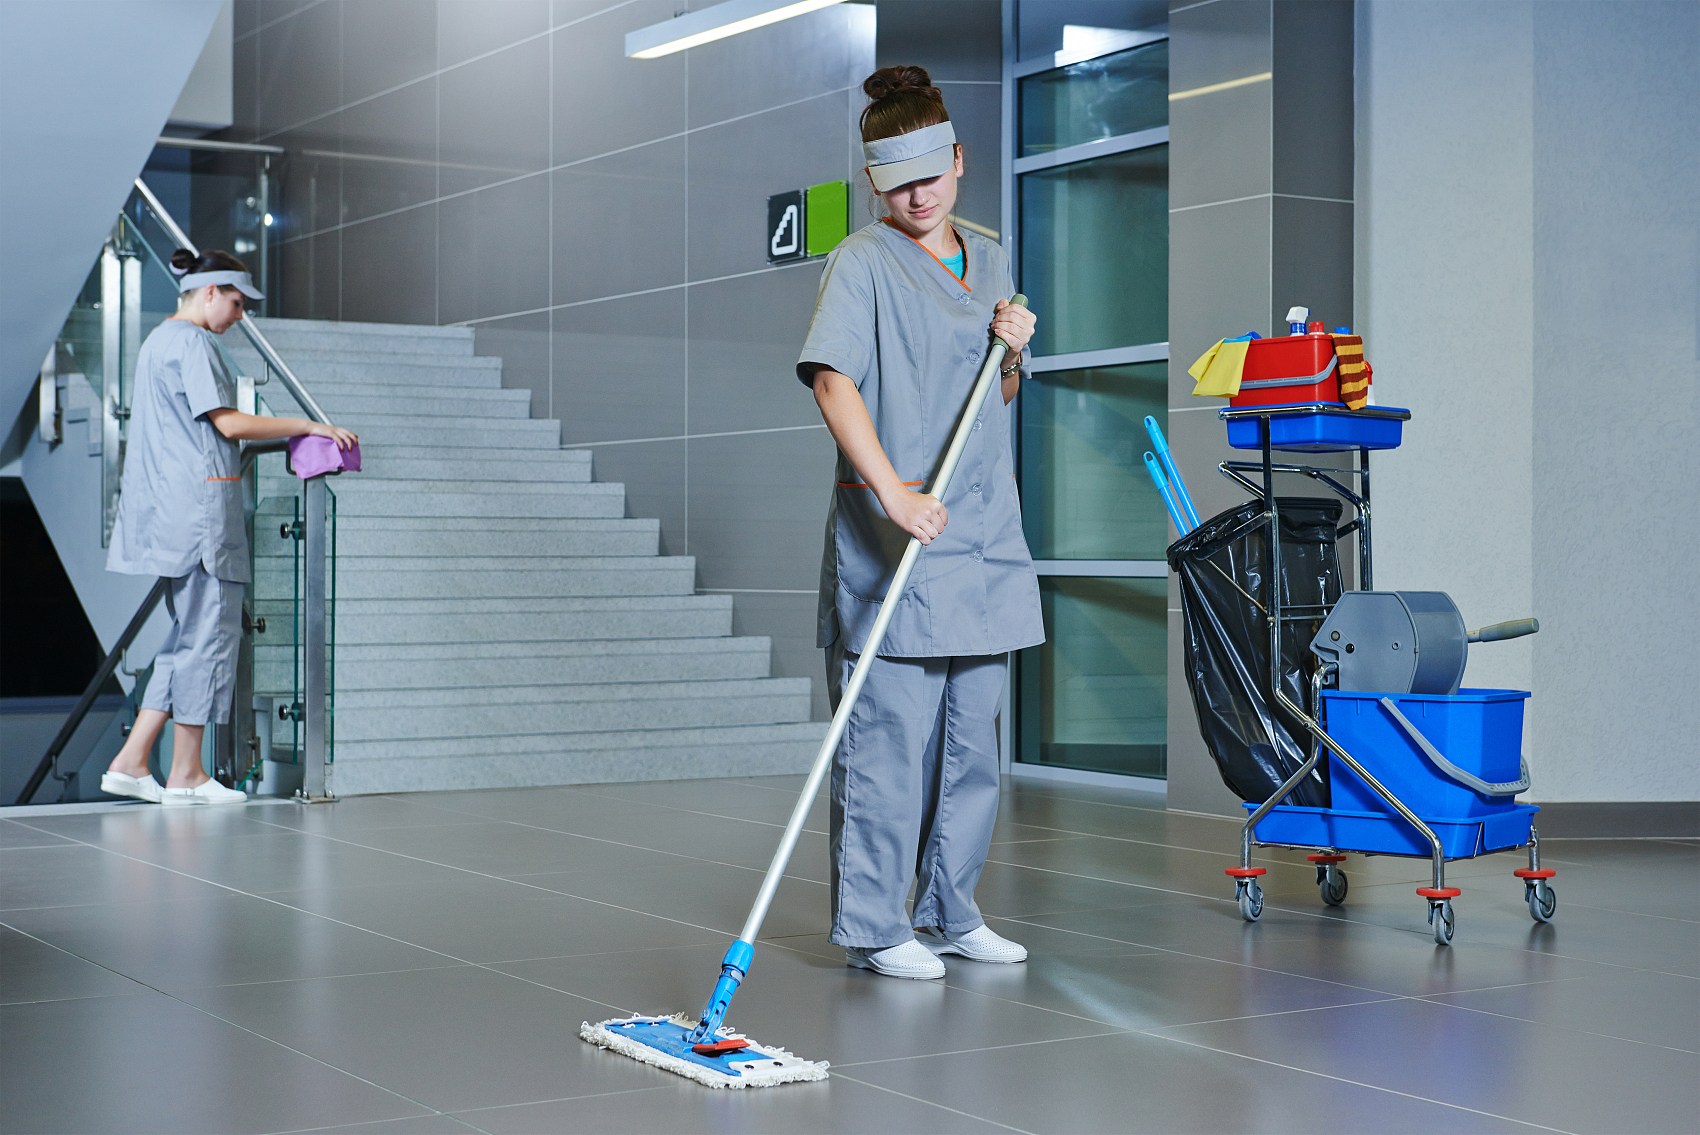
1100	98
1095	695
1095	251
1085	494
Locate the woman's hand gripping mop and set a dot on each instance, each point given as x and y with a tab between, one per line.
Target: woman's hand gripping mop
706	1050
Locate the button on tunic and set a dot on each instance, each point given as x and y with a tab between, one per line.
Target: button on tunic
911	336
180	501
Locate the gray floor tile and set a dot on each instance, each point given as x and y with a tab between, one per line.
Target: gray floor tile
481	920
15	834
34	971
100	1064
451	1039
187	944
412	1125
74	874
1144	1083
1478	1061
705	894
362	813
1657	1008
831	1105
810	1003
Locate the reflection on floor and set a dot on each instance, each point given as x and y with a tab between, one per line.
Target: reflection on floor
420	964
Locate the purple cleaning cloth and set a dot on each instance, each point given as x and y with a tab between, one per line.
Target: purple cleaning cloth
310	455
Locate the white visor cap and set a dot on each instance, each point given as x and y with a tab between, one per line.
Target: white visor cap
915	156
242	282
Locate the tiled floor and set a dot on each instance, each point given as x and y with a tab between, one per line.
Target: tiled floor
421	964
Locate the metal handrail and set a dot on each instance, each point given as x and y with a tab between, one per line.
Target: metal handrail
86	702
290	382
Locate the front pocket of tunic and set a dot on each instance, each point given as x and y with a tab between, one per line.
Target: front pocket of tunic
869	545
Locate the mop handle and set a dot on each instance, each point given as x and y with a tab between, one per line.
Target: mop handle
1162	484
870	649
1177	485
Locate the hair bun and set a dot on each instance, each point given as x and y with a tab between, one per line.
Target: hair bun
890	80
181	261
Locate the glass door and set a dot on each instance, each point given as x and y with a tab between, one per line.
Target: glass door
1088	214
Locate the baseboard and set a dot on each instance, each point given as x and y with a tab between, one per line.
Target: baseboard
1620	819
1142	784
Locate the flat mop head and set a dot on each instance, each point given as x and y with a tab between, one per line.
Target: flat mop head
662	1041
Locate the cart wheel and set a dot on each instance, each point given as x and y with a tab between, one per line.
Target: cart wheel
1543	900
1333	885
1440	917
1251	900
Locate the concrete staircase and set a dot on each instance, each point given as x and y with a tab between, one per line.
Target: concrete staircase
499	621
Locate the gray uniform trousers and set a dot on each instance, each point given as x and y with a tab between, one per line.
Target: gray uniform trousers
914	794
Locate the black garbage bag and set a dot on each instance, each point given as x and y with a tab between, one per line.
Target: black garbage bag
1221	564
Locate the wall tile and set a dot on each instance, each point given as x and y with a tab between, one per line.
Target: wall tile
311	272
794	59
1218	282
620	368
654	476
728	198
300	67
245	17
976	112
382	259
1313	98
495	117
758	506
1311	253
494	251
1218	42
604	101
386	43
389	145
1219	146
522	343
620	222
789	620
745	335
953	39
466	28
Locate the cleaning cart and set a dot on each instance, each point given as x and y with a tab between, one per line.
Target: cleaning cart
1337	715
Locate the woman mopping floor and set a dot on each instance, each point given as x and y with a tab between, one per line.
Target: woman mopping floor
908	341
899	332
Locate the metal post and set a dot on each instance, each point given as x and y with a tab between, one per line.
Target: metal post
111	362
1366	580
314	771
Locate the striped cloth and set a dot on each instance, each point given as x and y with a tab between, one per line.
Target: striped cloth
1354	370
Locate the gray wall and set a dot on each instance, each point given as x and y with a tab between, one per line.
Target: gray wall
1529	188
600	222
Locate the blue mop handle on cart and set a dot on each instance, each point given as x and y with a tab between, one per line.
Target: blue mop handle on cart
1177	485
1162	483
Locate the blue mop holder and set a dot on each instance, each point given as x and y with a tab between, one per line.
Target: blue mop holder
733	967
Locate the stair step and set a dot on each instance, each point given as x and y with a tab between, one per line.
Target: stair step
367	621
375	578
499	404
447	666
410	430
518	761
290	336
387	374
380	536
285	489
572	499
492	711
453	463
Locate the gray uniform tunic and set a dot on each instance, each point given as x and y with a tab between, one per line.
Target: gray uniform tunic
180	502
915	781
895	320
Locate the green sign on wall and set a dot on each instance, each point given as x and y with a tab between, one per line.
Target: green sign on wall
807	222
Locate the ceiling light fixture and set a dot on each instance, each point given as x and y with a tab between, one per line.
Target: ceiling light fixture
718	22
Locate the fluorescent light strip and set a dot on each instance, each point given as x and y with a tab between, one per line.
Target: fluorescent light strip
710	24
1214	87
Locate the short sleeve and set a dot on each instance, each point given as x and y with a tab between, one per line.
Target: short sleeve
841	334
201	370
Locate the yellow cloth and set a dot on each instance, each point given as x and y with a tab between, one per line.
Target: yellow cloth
1218	369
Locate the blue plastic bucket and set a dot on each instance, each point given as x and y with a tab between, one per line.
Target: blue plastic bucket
1309	431
1480	731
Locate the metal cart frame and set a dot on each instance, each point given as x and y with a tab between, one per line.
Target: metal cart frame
1541	898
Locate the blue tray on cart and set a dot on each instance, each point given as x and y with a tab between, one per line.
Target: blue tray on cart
1382	834
1317	427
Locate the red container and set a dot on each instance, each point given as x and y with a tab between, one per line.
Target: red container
1288	370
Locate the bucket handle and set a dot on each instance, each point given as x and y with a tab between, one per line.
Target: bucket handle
1468	780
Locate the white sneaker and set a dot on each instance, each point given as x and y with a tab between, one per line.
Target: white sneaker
979	945
212	792
906	959
123	784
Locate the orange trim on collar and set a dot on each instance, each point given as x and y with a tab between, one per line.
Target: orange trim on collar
224	478
959	241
